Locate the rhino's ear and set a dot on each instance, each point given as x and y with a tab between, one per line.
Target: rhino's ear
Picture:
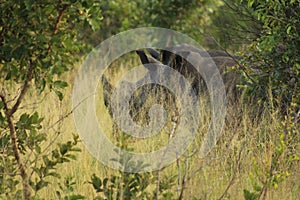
155	54
144	58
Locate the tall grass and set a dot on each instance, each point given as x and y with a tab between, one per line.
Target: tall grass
240	160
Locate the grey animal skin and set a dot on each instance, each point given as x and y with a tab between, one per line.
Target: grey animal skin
174	58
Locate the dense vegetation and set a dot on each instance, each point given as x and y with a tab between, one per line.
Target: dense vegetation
41	43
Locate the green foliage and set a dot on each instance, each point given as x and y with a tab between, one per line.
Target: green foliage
278	166
168	14
250	195
274	61
42	35
233	25
49	165
131	185
118	15
271	77
66	191
189	16
126	186
39	41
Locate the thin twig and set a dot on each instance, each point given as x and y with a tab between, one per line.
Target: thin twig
175	122
179	177
234	59
231	182
26	106
211	160
23	90
59	18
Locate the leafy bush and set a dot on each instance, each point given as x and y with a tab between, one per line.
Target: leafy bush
274	62
36	41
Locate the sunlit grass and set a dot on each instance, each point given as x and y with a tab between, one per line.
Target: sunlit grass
228	167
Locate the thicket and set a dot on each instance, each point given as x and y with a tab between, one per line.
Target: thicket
41	40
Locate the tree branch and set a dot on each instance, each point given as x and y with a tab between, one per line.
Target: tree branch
59	18
23	91
235	60
14	143
57	23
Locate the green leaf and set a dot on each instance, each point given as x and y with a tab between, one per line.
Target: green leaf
55	154
58	194
257	187
1	105
98	198
60	84
288	30
68	43
71	156
96	182
19	52
46	160
24	117
94	24
63	149
76	149
54	174
41	184
34	118
250	3
38	149
59	94
250	195
40	84
4	141
105	181
8	75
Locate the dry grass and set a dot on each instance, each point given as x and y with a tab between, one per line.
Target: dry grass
246	144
